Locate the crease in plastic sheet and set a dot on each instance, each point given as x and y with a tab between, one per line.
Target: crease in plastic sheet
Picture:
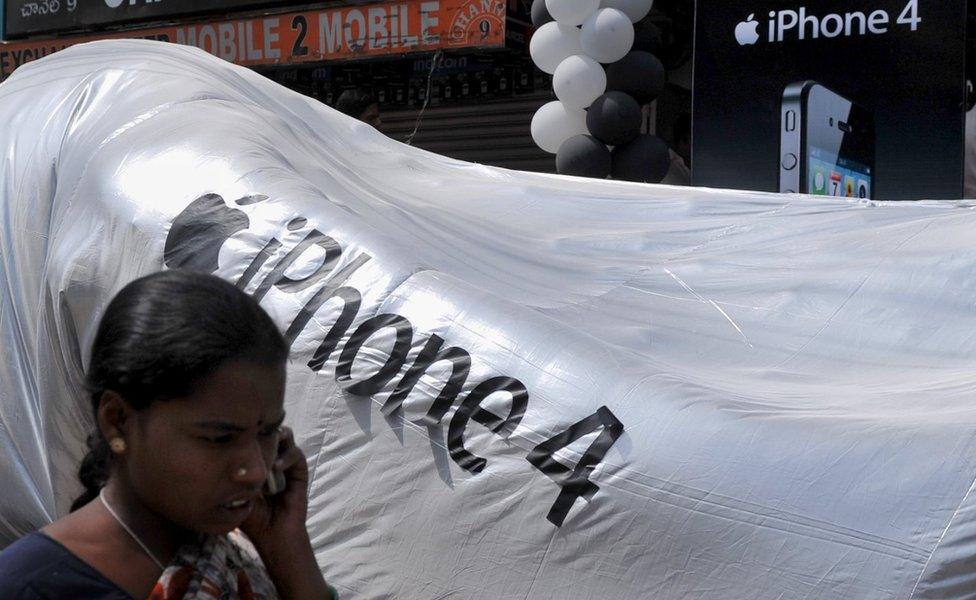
793	377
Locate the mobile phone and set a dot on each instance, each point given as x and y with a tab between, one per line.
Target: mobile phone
275	483
826	143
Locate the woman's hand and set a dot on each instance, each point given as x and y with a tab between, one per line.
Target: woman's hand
277	519
276	527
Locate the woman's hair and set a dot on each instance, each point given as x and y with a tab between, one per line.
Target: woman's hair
159	338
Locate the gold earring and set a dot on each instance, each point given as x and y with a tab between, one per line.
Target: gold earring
117	445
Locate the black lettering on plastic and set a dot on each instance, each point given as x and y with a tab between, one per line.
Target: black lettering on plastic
430	354
278	278
252	269
351	299
575	482
332	290
471	409
332	254
371	385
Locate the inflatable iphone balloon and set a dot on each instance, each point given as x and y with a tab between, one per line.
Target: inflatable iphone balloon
508	385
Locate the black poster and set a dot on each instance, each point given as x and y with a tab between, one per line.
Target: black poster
851	98
30	17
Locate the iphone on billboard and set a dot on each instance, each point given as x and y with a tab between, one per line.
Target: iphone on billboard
826	143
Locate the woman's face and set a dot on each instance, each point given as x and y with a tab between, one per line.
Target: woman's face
200	461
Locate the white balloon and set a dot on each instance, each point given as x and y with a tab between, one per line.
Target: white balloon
578	81
554	123
553	43
634	9
607	35
572	12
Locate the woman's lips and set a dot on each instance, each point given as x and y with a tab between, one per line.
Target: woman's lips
240	507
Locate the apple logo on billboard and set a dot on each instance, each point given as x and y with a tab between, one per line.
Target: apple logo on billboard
746	32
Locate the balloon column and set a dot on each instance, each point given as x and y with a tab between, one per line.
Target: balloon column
593	127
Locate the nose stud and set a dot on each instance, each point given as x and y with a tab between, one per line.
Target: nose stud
242	472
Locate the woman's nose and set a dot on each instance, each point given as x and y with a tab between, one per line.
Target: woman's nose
251	468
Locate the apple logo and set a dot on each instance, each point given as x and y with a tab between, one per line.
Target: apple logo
198	232
746	32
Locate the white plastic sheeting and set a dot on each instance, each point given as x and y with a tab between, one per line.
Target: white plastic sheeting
778	393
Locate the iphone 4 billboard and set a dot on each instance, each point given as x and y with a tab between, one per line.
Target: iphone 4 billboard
849	98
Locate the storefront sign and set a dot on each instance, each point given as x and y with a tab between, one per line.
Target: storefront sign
31	17
849	98
308	36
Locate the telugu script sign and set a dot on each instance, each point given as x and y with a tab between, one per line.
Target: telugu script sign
32	17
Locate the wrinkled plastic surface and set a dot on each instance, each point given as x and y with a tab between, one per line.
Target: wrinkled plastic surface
794	376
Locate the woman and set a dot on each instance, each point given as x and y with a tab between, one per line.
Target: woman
187	378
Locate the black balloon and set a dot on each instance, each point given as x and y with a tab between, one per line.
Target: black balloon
583	156
639	74
614	118
540	14
645	159
648	37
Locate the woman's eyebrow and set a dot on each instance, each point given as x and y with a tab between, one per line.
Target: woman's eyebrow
221	425
234	427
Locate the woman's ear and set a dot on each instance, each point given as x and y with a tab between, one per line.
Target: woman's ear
113	415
